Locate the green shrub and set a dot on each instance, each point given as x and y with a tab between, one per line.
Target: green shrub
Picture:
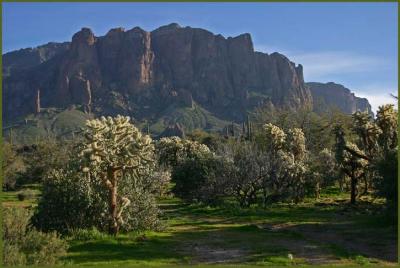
12	256
201	179
43	157
65	204
15	223
43	248
87	234
13	165
24	245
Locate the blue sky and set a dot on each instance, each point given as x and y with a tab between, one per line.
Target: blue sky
354	44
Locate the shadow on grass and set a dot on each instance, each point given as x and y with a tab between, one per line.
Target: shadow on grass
213	232
181	247
120	250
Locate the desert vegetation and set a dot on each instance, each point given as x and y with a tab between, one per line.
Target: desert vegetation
282	188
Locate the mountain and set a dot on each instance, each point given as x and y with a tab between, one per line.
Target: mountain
336	95
170	76
151	75
30	57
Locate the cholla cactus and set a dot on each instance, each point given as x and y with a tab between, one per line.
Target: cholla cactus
351	159
287	165
194	149
172	150
114	151
114	143
276	137
386	119
348	157
367	131
297	143
169	149
354	167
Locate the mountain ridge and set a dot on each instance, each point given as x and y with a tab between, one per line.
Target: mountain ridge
336	95
146	74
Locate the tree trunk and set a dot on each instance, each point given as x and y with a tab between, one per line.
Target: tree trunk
264	197
317	190
365	185
353	189
341	187
114	226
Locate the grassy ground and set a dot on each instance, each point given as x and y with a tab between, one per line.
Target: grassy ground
11	198
326	232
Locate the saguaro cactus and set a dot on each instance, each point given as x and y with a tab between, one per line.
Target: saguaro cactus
37	102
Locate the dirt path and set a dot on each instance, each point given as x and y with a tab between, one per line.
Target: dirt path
353	243
210	239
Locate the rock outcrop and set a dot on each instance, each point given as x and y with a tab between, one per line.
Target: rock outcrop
150	71
336	95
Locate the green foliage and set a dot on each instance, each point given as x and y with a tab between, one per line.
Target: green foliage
388	170
43	157
43	248
190	118
24	245
50	123
12	255
87	234
69	121
13	165
15	223
274	167
323	171
247	169
211	140
197	173
317	127
67	202
201	179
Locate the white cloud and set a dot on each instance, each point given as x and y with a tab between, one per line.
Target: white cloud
327	65
378	99
321	65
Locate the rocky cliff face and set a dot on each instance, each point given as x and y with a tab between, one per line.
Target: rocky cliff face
143	73
336	95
